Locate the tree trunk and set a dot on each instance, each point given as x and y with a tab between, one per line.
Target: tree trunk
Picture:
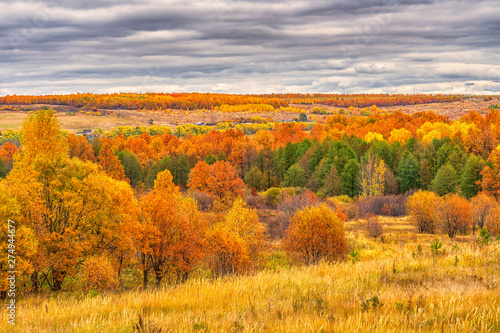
57	280
144	279
34	281
159	276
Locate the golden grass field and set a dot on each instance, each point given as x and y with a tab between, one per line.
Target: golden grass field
390	289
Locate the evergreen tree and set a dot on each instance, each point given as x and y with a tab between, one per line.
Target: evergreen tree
471	175
349	178
331	184
295	176
425	174
408	169
446	180
254	178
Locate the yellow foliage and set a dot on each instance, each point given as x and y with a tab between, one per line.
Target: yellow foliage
370	136
402	135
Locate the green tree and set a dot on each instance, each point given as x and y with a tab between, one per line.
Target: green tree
349	178
408	172
471	175
132	167
331	184
295	176
255	179
446	180
3	169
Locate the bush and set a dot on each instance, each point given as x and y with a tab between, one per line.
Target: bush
422	207
492	222
315	233
396	205
99	274
481	206
386	211
373	226
271	196
204	200
455	215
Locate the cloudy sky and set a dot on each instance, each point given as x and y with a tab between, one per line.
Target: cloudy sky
337	46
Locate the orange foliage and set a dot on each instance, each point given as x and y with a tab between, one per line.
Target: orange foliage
80	148
110	162
219	179
7	152
315	233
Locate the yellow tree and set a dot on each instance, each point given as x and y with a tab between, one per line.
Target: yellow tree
422	206
234	242
372	175
73	208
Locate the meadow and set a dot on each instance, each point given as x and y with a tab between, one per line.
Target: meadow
394	283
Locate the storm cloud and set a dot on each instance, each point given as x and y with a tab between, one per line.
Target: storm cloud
347	46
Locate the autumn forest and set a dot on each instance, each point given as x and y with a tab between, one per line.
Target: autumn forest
342	187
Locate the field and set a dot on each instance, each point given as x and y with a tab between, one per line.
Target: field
390	286
115	118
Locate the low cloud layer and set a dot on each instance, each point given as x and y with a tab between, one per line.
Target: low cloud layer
346	46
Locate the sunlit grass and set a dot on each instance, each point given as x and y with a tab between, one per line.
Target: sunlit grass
393	287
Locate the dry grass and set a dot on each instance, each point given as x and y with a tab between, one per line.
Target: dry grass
393	288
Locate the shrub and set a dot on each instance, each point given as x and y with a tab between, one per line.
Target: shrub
204	199
422	207
227	253
492	222
386	211
455	215
271	196
99	274
396	205
481	205
315	233
373	226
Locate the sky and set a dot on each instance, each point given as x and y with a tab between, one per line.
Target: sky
249	47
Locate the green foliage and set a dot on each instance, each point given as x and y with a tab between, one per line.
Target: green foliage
271	196
485	236
436	247
471	175
349	178
446	180
295	176
371	304
408	172
3	169
354	256
303	117
255	179
132	166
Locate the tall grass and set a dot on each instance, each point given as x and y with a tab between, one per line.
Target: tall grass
395	287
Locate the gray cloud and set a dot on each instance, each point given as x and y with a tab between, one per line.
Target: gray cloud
65	46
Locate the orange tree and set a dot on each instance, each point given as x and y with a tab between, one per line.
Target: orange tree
234	242
455	215
315	233
219	179
171	233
